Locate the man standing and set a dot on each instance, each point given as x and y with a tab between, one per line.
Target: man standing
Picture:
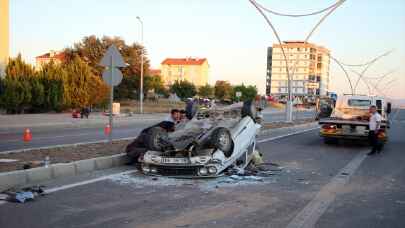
374	126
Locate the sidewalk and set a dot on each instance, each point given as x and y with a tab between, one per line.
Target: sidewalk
65	120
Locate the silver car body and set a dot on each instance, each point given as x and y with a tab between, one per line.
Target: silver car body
207	162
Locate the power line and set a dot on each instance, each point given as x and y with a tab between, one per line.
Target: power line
300	15
369	65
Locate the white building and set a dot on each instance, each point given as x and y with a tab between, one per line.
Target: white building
311	74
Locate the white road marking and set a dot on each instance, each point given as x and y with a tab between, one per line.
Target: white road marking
286	135
64	187
309	216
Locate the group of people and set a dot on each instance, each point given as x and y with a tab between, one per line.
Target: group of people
177	116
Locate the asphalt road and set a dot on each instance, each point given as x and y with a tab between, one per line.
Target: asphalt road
51	136
318	186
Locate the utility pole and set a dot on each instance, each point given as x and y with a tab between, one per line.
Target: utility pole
141	83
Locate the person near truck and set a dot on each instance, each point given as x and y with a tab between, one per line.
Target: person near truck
374	126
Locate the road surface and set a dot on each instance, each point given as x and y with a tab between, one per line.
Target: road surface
43	136
318	186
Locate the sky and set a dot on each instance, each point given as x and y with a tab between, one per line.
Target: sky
231	34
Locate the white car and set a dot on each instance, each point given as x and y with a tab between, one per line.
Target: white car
211	141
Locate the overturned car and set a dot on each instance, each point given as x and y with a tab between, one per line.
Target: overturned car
209	142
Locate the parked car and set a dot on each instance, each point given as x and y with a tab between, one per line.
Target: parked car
211	141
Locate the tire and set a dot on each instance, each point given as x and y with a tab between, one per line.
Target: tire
330	141
222	140
249	109
154	139
191	109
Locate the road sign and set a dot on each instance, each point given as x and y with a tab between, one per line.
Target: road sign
114	56
112	81
112	76
238	94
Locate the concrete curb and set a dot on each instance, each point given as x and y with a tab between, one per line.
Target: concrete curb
34	176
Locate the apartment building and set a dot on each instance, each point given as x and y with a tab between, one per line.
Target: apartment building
307	62
194	70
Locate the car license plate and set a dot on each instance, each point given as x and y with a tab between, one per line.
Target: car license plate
346	129
174	160
361	129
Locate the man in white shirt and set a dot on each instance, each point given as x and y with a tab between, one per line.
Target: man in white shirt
374	126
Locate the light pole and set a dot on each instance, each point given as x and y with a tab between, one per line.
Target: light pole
141	86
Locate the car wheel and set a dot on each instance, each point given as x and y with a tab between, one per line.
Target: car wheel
249	109
222	140
154	139
191	109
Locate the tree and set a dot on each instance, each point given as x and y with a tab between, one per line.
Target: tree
17	85
155	82
56	87
13	96
91	49
183	89
223	90
248	92
206	91
83	84
18	68
38	94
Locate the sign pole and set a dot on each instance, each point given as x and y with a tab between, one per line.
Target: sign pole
111	100
112	76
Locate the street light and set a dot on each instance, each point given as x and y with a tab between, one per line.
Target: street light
141	86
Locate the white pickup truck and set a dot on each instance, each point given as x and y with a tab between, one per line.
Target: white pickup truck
349	119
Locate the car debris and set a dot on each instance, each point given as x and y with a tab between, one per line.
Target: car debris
23	195
209	142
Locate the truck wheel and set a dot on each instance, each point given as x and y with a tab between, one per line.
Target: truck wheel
222	140
154	139
249	109
330	141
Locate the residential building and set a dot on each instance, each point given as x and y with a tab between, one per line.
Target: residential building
155	72
194	70
4	34
308	63
56	57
